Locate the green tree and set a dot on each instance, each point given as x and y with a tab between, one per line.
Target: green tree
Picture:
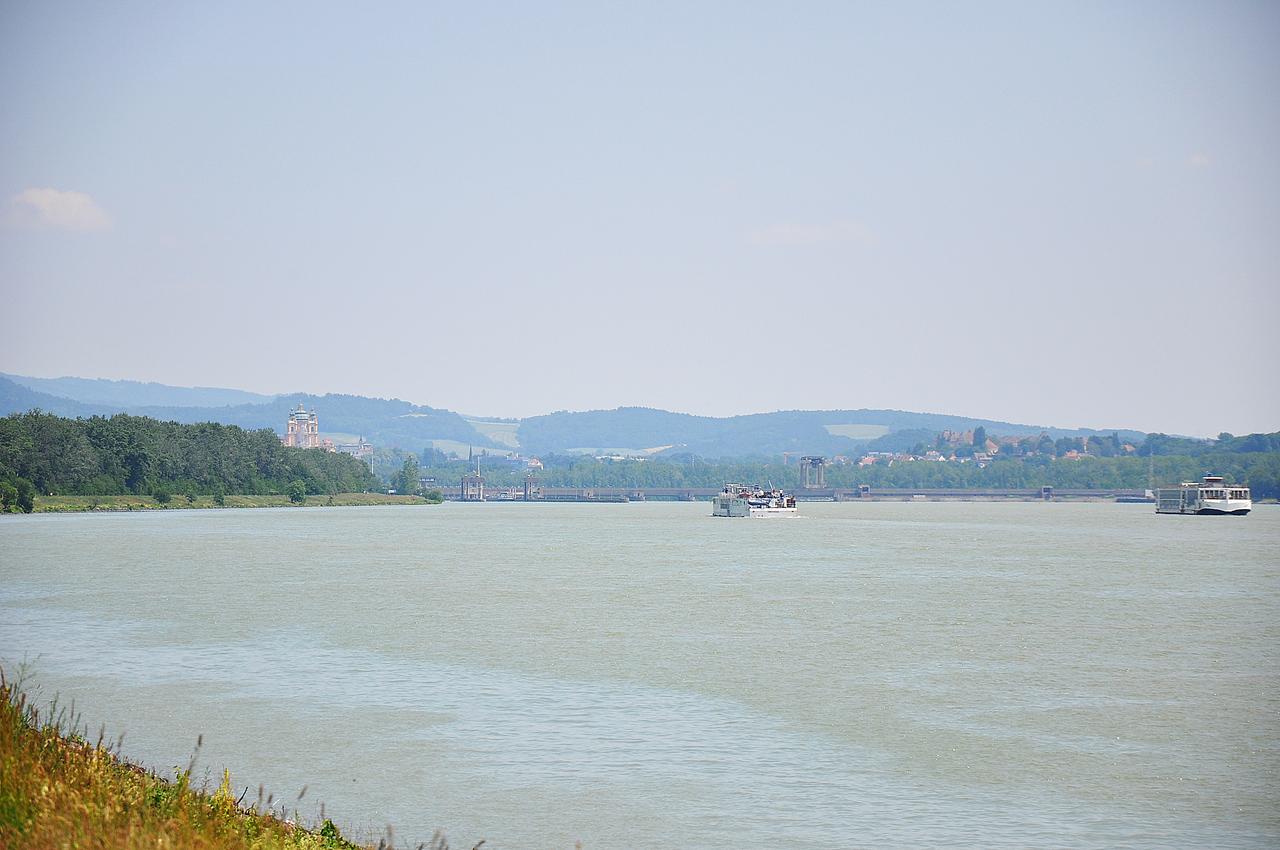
132	454
297	492
8	497
26	495
980	439
407	479
161	493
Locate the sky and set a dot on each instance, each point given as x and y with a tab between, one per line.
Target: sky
1062	214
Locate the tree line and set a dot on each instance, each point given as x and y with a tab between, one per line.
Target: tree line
1260	471
123	454
1236	458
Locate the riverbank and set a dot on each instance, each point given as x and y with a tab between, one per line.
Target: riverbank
78	504
57	789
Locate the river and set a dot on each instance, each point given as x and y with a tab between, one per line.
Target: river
643	675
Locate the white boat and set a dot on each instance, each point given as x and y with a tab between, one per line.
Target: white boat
1209	496
736	500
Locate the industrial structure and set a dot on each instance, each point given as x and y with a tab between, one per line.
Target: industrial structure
472	487
811	469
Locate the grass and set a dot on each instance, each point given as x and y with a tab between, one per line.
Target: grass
58	790
856	431
506	433
68	504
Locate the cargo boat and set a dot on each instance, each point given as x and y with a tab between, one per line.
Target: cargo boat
1209	496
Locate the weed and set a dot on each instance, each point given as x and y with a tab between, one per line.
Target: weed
59	790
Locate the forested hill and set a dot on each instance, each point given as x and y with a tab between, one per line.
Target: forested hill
132	394
760	434
133	454
388	422
392	423
382	421
16	398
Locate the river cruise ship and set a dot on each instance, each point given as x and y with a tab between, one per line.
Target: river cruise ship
738	500
1209	496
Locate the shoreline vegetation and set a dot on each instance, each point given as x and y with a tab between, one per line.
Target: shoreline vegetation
59	788
116	503
135	463
52	464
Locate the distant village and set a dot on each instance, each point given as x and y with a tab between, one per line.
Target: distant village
976	447
973	446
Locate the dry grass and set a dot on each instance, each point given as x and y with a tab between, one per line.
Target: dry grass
58	790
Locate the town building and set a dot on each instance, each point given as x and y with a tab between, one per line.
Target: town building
360	449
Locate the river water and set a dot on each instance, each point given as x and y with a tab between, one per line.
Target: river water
643	675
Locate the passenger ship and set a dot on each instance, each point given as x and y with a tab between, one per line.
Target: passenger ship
1209	496
737	500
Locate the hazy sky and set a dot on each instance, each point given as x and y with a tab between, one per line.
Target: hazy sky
1062	214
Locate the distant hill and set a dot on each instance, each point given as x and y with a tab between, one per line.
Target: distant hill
400	424
15	398
384	422
131	394
812	431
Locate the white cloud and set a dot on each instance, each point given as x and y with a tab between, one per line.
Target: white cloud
792	234
1199	160
58	209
